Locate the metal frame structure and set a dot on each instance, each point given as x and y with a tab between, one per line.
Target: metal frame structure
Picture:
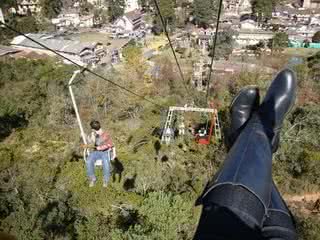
167	134
86	152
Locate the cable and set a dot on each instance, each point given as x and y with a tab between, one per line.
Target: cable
214	49
81	67
171	46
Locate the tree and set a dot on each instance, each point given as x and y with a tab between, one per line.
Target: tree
85	7
224	45
279	41
5	5
316	37
204	11
51	9
134	58
115	9
263	8
168	14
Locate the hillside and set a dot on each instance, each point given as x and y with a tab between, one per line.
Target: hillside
44	191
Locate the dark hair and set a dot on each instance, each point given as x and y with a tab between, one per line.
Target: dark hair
95	125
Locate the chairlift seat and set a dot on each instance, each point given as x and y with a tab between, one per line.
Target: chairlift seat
98	162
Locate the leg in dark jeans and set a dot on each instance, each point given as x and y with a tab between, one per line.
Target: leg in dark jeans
242	202
279	223
241	191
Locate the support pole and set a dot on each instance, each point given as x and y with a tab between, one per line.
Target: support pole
75	107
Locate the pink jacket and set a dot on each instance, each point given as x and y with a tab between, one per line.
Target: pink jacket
105	142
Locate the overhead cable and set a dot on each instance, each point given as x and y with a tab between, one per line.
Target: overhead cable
81	67
213	53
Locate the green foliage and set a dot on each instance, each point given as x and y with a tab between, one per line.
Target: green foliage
115	9
86	7
39	85
263	8
43	178
27	24
279	41
316	37
204	12
51	9
168	14
157	210
225	44
7	4
309	228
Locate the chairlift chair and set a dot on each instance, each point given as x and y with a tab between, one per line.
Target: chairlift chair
86	152
207	139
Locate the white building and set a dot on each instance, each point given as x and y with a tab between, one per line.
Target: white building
87	21
247	37
95	2
81	53
73	20
311	4
28	6
248	21
237	7
131	5
129	22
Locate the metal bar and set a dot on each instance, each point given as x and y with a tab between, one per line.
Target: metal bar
83	135
191	109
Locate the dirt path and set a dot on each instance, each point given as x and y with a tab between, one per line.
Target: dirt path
307	204
308	197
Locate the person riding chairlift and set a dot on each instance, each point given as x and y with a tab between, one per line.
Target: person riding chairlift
202	133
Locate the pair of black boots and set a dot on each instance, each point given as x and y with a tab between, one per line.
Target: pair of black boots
228	203
278	101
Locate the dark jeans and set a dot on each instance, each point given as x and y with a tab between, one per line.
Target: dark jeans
242	202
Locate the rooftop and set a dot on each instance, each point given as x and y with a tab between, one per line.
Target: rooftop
133	15
60	45
5	50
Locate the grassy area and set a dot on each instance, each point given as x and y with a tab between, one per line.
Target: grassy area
92	37
300	52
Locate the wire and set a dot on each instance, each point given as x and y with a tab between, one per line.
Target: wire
214	49
81	67
171	46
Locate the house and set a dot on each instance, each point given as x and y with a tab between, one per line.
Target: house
248	21
237	7
114	51
247	37
129	22
311	4
95	2
73	20
81	53
28	6
87	21
66	20
245	7
131	5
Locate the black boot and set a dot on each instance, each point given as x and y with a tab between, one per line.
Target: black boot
241	109
278	101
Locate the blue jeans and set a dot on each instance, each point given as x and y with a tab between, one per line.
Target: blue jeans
242	202
92	158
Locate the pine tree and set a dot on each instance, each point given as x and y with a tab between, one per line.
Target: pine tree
168	14
51	8
204	11
115	9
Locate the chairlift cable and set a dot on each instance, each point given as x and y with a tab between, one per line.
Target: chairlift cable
171	45
81	67
214	49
